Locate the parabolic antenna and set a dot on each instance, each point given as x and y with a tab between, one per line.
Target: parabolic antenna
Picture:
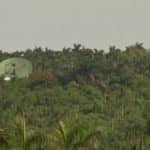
15	67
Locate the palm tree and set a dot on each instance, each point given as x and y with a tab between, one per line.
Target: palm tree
4	145
37	141
77	136
25	139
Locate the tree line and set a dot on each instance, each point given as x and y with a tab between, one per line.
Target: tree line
78	99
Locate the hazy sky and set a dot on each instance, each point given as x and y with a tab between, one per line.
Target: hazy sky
58	23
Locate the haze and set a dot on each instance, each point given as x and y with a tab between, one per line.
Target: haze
60	23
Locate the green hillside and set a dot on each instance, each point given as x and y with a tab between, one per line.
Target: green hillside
77	99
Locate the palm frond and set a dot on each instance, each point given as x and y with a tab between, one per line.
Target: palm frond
61	129
3	140
87	138
37	141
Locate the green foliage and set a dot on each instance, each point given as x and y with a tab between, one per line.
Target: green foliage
78	99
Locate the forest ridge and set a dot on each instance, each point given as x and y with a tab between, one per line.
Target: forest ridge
78	99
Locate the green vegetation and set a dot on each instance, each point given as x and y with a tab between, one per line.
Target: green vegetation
78	99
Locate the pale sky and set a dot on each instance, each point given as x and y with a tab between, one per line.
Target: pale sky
60	23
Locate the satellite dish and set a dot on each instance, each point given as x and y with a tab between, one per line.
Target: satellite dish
15	67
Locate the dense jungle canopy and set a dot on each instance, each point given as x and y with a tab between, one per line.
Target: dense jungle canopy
78	99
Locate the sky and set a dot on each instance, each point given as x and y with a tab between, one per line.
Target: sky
61	23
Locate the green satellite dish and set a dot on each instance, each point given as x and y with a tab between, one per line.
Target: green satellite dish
15	67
